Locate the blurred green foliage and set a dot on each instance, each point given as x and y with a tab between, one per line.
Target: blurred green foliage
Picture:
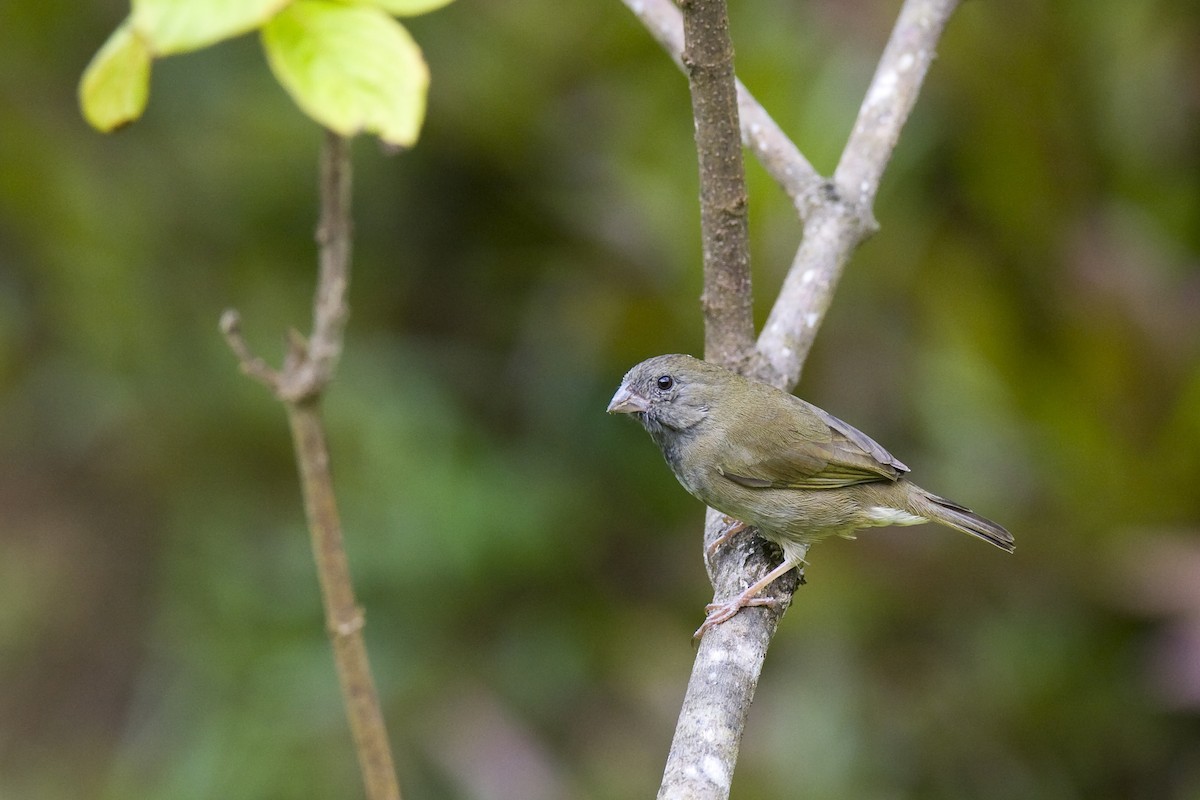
1022	330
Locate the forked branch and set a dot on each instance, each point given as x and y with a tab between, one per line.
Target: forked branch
837	216
307	369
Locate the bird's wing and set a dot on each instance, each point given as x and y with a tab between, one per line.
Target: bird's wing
812	450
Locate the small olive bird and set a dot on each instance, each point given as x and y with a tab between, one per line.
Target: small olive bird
767	459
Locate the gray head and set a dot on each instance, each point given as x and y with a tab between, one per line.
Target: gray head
672	392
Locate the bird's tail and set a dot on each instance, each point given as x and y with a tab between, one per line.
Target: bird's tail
951	514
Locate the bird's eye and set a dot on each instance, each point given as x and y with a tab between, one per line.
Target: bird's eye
665	382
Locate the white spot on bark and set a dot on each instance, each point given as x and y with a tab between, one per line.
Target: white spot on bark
882	88
715	771
810	319
906	61
808	277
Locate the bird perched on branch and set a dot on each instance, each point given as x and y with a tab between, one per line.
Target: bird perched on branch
767	459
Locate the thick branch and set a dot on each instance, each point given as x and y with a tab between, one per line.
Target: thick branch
307	369
708	735
708	61
705	747
831	234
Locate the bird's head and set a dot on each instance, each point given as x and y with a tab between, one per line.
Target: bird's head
673	392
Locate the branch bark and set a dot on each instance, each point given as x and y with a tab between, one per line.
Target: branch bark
727	301
837	216
777	153
307	369
729	661
844	217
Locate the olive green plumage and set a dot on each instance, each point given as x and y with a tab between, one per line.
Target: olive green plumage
771	460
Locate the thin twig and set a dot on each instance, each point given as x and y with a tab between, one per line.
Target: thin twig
890	99
837	216
845	219
307	369
252	365
782	160
343	616
330	311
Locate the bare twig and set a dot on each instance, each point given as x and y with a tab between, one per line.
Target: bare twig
343	617
845	218
252	365
782	160
330	311
891	97
307	369
837	216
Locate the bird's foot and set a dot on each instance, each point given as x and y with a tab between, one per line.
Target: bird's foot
721	612
732	528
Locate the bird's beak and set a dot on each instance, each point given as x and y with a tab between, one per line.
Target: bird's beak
625	401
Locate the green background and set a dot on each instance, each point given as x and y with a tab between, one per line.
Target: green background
1022	331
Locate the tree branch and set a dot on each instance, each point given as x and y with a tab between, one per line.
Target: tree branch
891	97
845	218
727	302
782	160
831	234
307	369
708	735
837	217
343	616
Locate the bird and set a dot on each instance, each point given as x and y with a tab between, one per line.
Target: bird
767	459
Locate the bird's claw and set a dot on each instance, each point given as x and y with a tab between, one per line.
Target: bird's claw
732	528
721	612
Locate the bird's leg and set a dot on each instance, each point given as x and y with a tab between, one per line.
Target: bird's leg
732	528
720	612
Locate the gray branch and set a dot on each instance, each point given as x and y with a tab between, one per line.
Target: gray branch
843	218
837	216
782	160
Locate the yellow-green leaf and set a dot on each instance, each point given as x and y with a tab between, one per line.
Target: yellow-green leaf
115	85
351	68
177	26
404	8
